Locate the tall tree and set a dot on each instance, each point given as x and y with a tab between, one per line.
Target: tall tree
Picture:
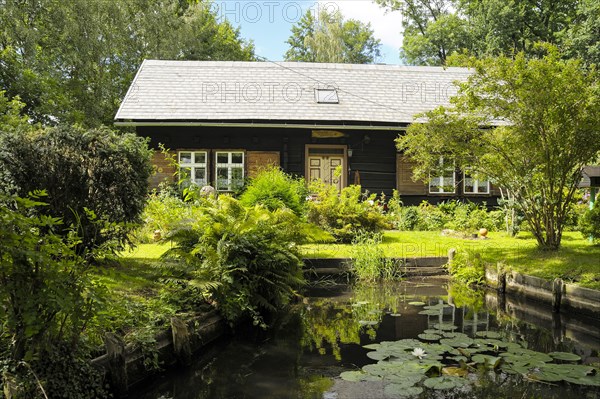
434	30
547	113
329	38
583	39
72	61
511	26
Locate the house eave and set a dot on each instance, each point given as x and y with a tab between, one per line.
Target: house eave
263	124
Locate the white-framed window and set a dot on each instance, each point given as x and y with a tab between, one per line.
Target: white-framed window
193	166
443	182
229	170
475	186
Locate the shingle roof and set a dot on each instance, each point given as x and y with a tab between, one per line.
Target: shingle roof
166	91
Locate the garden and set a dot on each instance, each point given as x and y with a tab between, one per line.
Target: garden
90	257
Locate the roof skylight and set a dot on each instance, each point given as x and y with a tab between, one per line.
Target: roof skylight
326	96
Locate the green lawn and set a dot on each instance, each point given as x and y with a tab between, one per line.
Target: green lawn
578	260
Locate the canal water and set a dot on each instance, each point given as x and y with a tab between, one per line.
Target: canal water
304	355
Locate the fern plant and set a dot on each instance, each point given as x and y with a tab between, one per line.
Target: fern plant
244	259
274	189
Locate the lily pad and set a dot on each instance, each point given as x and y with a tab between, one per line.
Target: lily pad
544	375
443	383
417	303
395	314
445	326
401	391
379	355
487	359
457	342
404	379
447	334
590	380
565	356
430	337
352	376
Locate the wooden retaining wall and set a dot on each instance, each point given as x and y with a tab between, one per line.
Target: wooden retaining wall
563	297
124	365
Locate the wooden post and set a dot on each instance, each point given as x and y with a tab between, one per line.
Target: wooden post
592	201
117	366
501	278
181	341
451	254
557	290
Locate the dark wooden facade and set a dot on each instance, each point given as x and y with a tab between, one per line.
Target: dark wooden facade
371	156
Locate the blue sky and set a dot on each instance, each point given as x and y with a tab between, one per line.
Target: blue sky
269	22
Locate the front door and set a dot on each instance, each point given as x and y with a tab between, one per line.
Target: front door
326	163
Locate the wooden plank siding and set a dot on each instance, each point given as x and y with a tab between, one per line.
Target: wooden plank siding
258	160
164	170
375	160
404	178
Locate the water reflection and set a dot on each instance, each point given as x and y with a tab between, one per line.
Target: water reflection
324	335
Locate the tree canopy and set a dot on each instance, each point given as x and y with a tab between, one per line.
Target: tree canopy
72	61
330	38
547	113
436	30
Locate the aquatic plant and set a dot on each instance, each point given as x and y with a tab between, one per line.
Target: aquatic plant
446	360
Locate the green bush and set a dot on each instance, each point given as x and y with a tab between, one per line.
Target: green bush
61	373
274	189
408	218
589	223
45	289
467	267
455	215
347	213
165	212
96	180
244	259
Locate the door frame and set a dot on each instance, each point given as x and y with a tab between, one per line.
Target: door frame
344	155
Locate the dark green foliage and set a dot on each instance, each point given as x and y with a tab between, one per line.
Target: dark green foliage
46	294
274	189
244	259
454	215
589	223
61	373
96	180
347	213
439	32
72	61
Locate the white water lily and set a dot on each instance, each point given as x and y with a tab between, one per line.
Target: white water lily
419	352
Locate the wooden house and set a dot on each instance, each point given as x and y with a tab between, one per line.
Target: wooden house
224	120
